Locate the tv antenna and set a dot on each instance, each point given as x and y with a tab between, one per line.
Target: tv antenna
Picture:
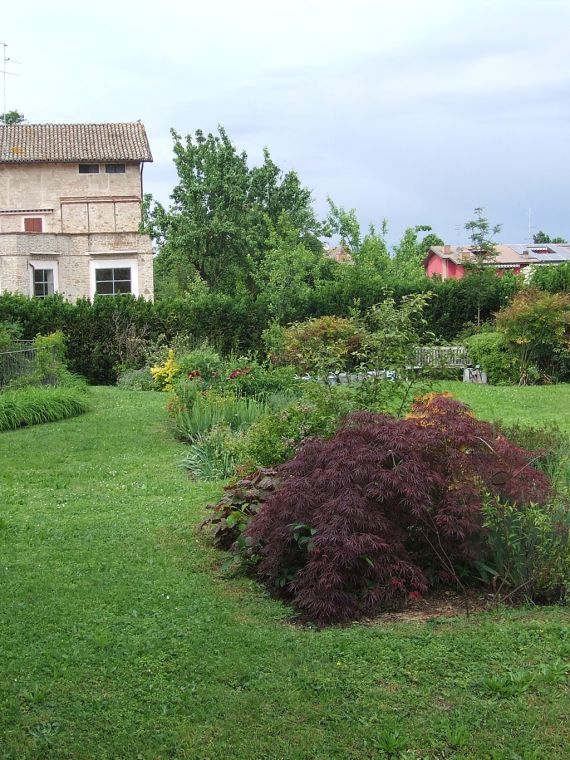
5	61
530	226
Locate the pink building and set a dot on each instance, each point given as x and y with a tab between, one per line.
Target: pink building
448	261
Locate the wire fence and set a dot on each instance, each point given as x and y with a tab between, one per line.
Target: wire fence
25	362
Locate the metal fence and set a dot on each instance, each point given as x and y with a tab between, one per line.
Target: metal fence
23	362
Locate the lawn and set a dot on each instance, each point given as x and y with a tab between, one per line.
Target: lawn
120	638
529	405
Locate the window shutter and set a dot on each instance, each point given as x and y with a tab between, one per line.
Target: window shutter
33	224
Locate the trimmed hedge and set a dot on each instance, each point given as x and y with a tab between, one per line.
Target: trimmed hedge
34	406
100	334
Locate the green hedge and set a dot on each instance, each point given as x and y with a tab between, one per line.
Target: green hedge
34	406
98	333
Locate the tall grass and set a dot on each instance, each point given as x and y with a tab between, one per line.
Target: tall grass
34	406
208	412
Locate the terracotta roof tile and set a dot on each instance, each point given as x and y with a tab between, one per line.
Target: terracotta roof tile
61	143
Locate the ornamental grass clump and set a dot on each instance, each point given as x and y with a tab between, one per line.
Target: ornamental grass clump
210	410
386	509
34	406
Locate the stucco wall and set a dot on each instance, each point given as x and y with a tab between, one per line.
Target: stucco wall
455	270
433	265
444	267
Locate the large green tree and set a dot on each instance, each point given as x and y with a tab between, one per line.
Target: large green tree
290	271
218	227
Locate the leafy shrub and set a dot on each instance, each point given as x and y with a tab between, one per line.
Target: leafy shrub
50	357
273	340
249	378
529	549
394	330
203	363
33	406
47	367
166	373
55	343
10	332
552	279
323	345
275	437
235	510
490	350
536	326
367	518
136	380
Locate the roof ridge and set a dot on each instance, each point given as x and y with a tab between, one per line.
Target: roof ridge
74	124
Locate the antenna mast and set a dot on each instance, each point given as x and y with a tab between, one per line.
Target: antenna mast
5	73
529	224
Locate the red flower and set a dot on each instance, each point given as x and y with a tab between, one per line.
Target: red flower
239	373
194	374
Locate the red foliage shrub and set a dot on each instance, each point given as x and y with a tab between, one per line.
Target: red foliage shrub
362	521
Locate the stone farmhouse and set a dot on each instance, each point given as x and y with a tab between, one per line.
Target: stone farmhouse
70	210
448	261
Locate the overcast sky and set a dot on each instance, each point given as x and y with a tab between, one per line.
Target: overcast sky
411	110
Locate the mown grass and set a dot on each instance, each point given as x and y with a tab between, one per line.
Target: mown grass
120	639
528	405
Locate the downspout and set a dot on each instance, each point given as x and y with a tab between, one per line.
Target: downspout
141	176
32	267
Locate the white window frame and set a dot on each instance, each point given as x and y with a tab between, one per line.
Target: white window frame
44	264
131	264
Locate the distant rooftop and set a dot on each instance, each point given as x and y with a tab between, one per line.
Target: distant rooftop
513	254
339	253
72	143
